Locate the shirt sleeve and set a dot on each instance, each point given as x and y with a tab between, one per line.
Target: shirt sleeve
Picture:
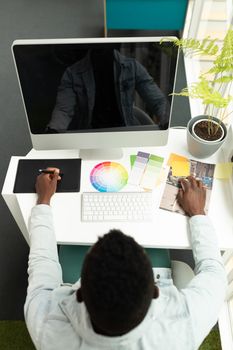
64	109
205	294
44	269
151	94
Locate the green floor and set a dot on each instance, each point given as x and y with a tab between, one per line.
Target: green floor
14	336
212	341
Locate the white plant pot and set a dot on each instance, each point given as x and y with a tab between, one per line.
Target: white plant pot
207	141
201	148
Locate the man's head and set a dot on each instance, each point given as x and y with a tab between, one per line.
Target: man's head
117	284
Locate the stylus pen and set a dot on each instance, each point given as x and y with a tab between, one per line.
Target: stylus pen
45	171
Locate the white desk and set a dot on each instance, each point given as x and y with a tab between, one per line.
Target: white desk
168	230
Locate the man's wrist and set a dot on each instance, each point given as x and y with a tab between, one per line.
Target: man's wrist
194	213
43	200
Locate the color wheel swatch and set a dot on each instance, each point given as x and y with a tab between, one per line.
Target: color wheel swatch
108	177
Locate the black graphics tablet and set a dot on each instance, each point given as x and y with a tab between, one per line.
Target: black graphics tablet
28	170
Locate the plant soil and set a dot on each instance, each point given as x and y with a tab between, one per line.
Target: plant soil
201	129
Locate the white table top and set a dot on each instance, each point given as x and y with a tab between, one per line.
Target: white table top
168	230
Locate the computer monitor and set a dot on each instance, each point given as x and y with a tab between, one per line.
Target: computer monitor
99	93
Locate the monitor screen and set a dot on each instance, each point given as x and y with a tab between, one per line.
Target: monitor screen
95	88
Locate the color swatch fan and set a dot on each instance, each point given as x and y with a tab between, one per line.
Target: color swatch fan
108	177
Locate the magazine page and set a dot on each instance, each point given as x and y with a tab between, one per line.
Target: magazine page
201	171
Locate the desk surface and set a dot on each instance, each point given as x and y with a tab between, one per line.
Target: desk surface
168	230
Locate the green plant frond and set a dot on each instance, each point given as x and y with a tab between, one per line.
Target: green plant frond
221	68
211	48
218	78
206	46
184	92
216	100
204	91
224	61
223	65
204	42
224	79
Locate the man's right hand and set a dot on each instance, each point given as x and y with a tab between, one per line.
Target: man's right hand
191	197
46	185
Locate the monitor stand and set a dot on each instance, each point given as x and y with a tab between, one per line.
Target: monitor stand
101	153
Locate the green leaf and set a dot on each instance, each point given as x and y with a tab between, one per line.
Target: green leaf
224	79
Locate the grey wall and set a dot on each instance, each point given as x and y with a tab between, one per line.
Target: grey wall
25	19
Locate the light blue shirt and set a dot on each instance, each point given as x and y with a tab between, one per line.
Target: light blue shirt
178	319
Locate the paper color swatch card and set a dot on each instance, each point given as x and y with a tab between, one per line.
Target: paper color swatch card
180	166
145	170
176	157
138	168
152	172
223	170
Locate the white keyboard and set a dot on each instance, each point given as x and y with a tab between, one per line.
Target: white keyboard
117	206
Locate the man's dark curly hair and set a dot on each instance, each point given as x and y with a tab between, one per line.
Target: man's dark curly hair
117	283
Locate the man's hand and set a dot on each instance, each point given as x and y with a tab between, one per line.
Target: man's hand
191	197
46	185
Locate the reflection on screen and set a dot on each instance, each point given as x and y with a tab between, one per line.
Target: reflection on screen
99	86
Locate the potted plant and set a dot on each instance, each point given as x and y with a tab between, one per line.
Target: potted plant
206	133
